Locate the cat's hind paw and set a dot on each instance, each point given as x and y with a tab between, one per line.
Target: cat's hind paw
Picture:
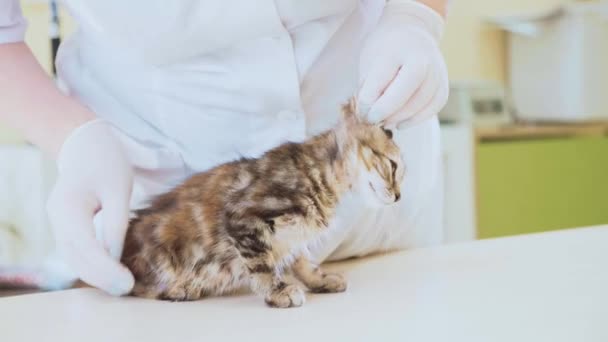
330	283
286	297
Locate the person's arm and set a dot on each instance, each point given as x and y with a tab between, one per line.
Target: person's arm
31	103
94	172
439	6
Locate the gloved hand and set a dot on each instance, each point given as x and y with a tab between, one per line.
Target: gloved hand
94	175
403	77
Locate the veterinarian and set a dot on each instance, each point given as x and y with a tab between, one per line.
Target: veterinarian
158	90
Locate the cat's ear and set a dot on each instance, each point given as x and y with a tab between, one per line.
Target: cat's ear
348	120
350	114
387	131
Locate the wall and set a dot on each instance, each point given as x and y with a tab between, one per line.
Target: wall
474	50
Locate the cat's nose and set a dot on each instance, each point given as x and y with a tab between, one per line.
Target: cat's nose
397	196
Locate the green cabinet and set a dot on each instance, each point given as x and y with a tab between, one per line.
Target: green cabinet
530	185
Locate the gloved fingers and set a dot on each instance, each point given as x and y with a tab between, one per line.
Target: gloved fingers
114	224
419	100
95	267
408	80
374	84
72	217
433	108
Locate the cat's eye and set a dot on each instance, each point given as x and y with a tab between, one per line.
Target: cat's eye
388	133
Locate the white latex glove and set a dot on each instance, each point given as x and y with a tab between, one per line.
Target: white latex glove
402	73
94	175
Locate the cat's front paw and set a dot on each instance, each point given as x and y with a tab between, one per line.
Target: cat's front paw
330	283
286	297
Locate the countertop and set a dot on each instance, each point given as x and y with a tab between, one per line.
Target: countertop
541	287
544	130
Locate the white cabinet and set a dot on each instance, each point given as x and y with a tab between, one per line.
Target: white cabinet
459	179
25	179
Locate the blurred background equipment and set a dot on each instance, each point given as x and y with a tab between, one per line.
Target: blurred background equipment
54	28
478	103
558	63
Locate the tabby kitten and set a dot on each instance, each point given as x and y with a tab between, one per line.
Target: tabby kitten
247	221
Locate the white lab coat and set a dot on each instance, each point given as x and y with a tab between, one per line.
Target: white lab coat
194	83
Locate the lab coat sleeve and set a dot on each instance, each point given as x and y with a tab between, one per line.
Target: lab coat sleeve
12	23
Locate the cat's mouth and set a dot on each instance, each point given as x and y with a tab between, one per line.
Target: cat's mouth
383	199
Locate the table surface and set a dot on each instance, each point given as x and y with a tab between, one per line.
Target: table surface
542	287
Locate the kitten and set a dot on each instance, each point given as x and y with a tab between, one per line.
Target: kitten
246	221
